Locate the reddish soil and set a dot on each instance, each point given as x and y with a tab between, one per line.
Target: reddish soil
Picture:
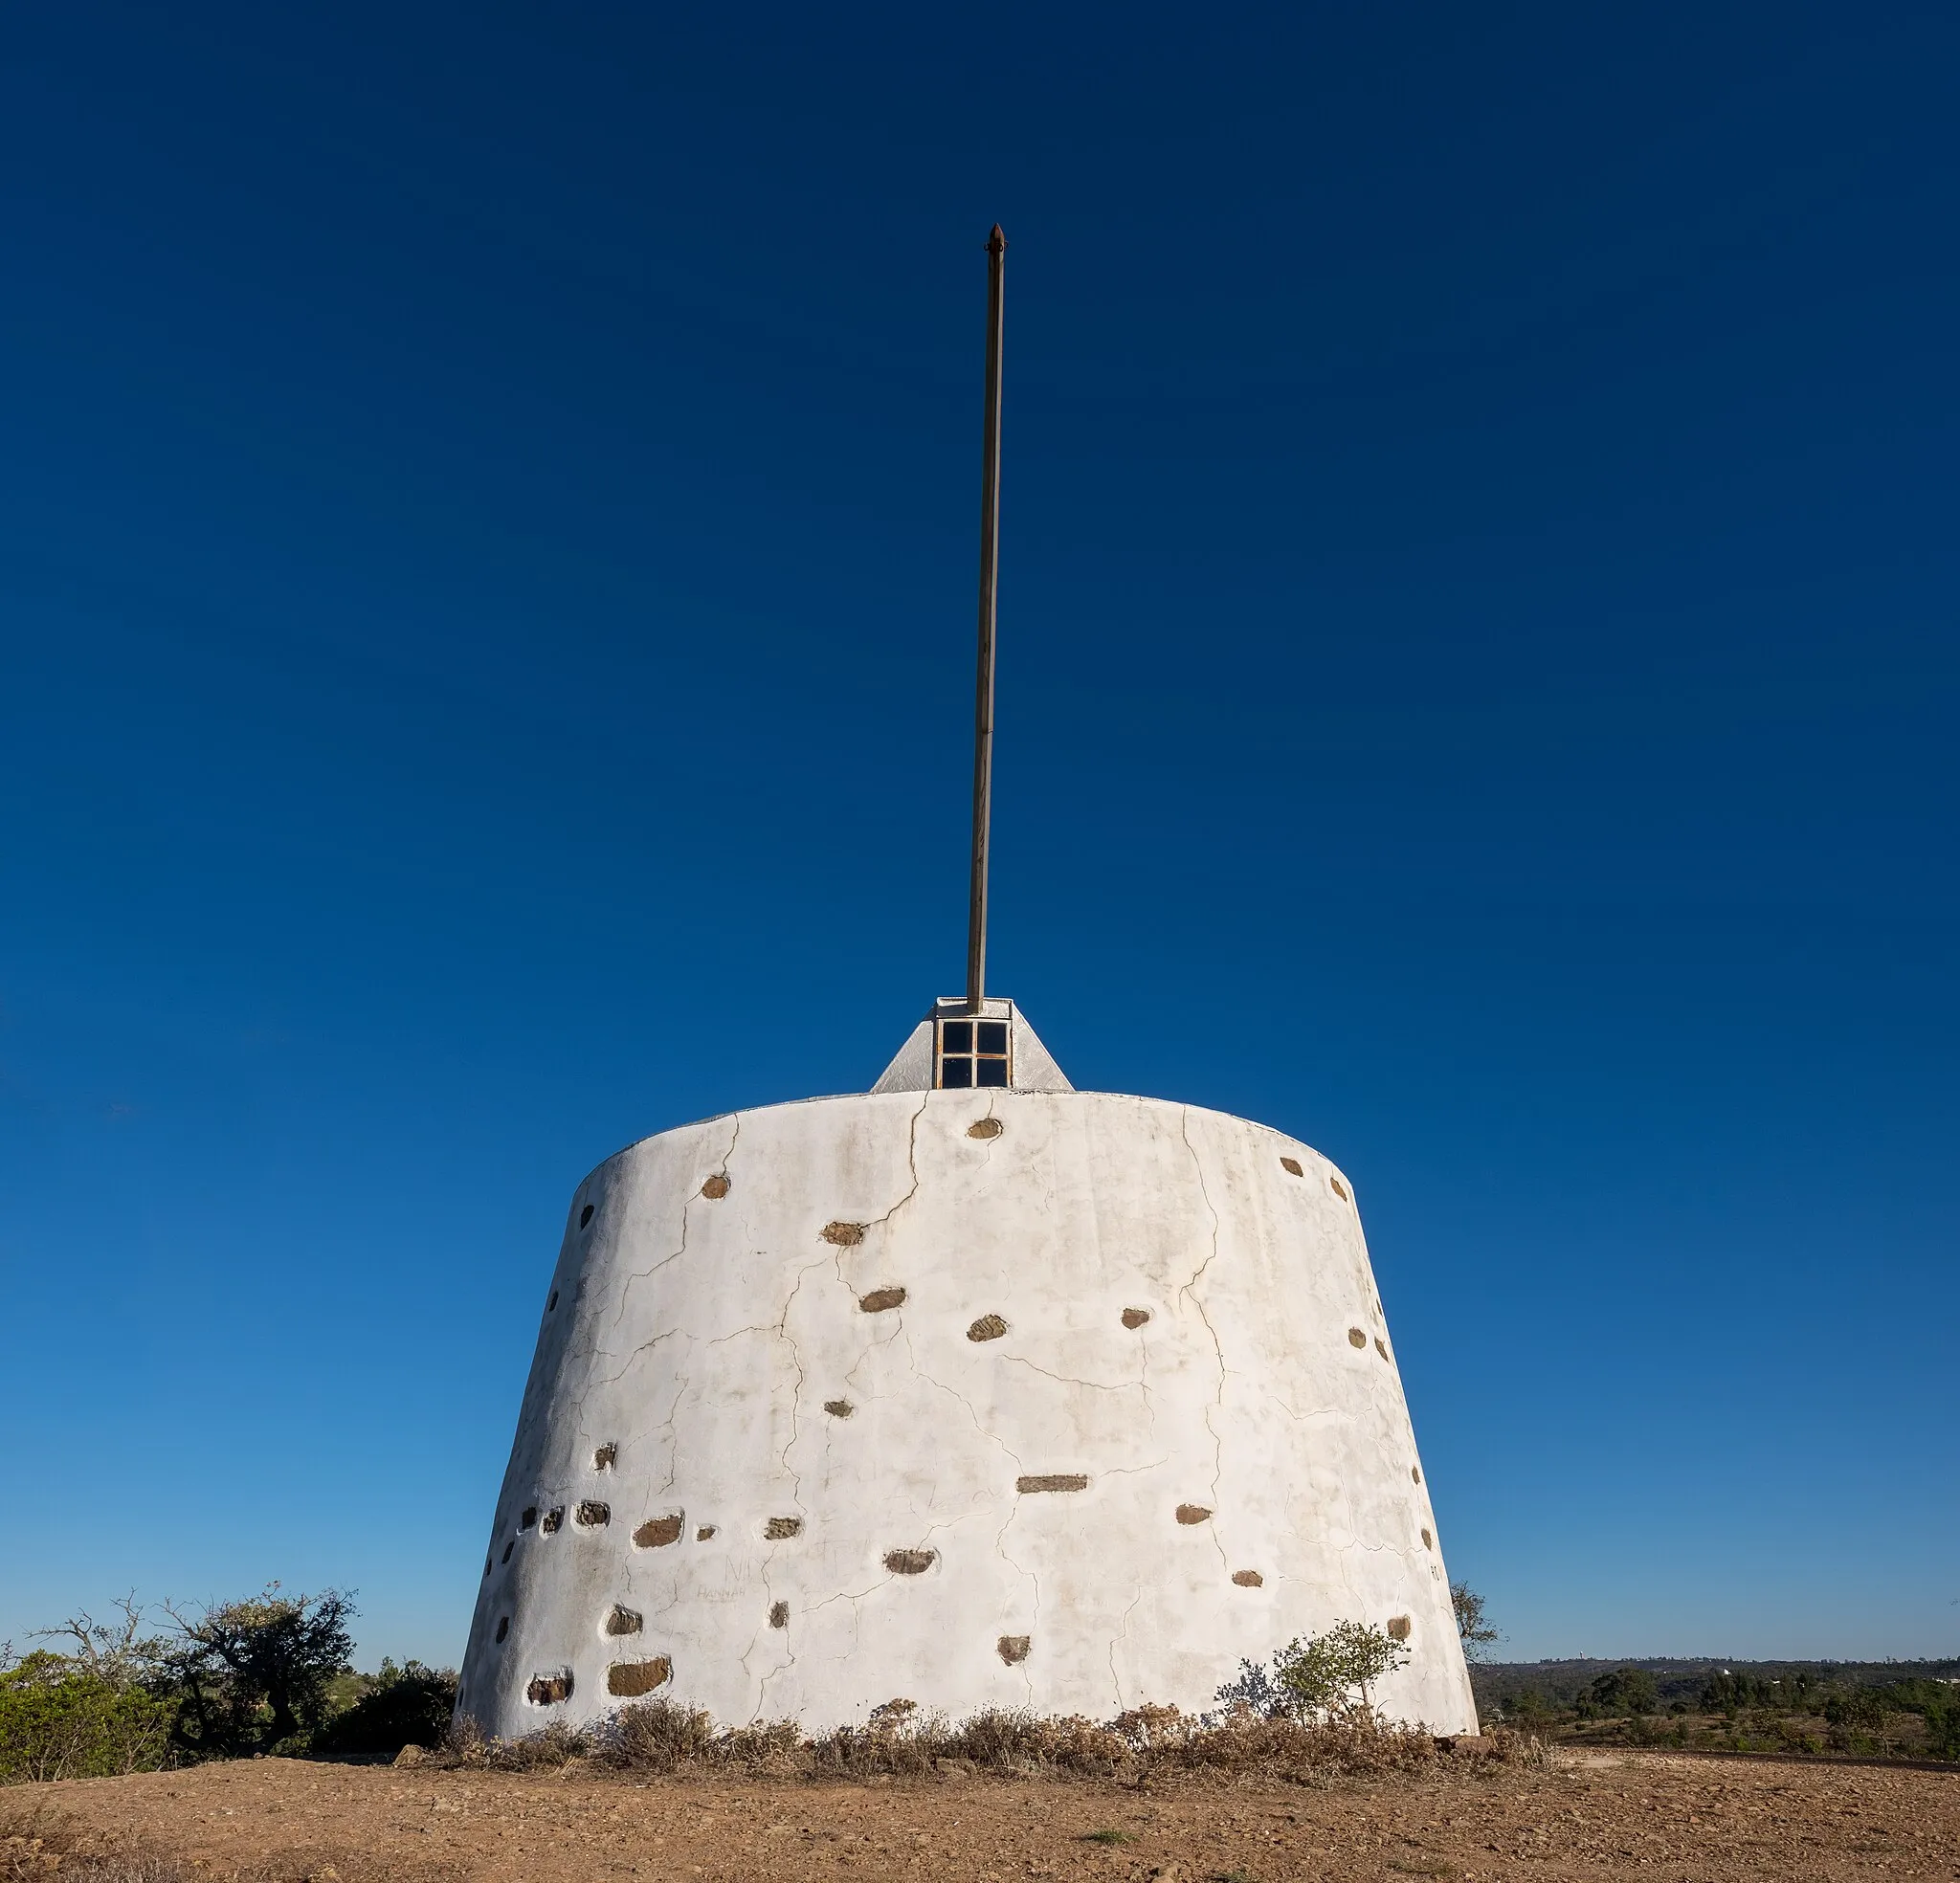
1639	1814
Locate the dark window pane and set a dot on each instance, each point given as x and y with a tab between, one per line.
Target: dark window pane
992	1036
956	1037
992	1072
956	1071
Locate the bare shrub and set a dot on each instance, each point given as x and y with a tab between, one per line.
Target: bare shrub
658	1735
901	1740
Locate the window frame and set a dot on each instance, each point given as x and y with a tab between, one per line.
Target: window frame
974	1058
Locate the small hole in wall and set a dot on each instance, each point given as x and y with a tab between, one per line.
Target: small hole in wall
1012	1648
591	1515
989	1327
838	1408
502	1627
605	1457
509	1547
552	1302
1428	1542
984	1129
910	1562
882	1300
1291	1167
716	1187
1135	1317
1400	1627
1192	1514
554	1521
779	1529
529	1518
1248	1578
1356	1338
630	1679
843	1235
623	1620
705	1531
549	1688
584	1216
1416	1474
657	1532
779	1614
488	1565
1339	1189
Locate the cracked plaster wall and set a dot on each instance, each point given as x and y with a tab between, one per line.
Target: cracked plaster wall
702	1337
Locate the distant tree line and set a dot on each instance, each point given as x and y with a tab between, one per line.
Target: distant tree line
1863	1708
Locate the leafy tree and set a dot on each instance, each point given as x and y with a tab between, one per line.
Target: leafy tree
1528	1710
1628	1690
252	1675
1320	1675
1472	1630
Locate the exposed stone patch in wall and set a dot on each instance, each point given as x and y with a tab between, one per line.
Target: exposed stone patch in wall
1339	1189
1135	1317
881	1300
1428	1542
779	1614
989	1327
592	1514
716	1187
630	1679
1248	1578
1291	1167
1192	1514
987	1127
1054	1481
605	1457
623	1620
705	1531
657	1531
838	1408
1014	1649
1400	1628
1356	1338
549	1688
553	1523
779	1529
843	1235
1416	1474
1381	1346
910	1562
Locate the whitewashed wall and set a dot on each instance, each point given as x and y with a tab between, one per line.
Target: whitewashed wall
715	1365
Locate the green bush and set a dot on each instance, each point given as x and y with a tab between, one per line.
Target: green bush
61	1720
407	1705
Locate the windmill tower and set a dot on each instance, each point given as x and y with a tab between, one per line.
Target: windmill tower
973	1390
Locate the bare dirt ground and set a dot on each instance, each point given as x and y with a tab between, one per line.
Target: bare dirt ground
1601	1815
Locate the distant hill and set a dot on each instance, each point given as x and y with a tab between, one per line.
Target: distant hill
1681	1678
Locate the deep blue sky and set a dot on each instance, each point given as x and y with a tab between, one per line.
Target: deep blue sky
487	564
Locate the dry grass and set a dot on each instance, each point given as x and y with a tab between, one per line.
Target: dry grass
901	1740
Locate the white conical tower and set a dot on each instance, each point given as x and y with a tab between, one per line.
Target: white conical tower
975	1395
973	1390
